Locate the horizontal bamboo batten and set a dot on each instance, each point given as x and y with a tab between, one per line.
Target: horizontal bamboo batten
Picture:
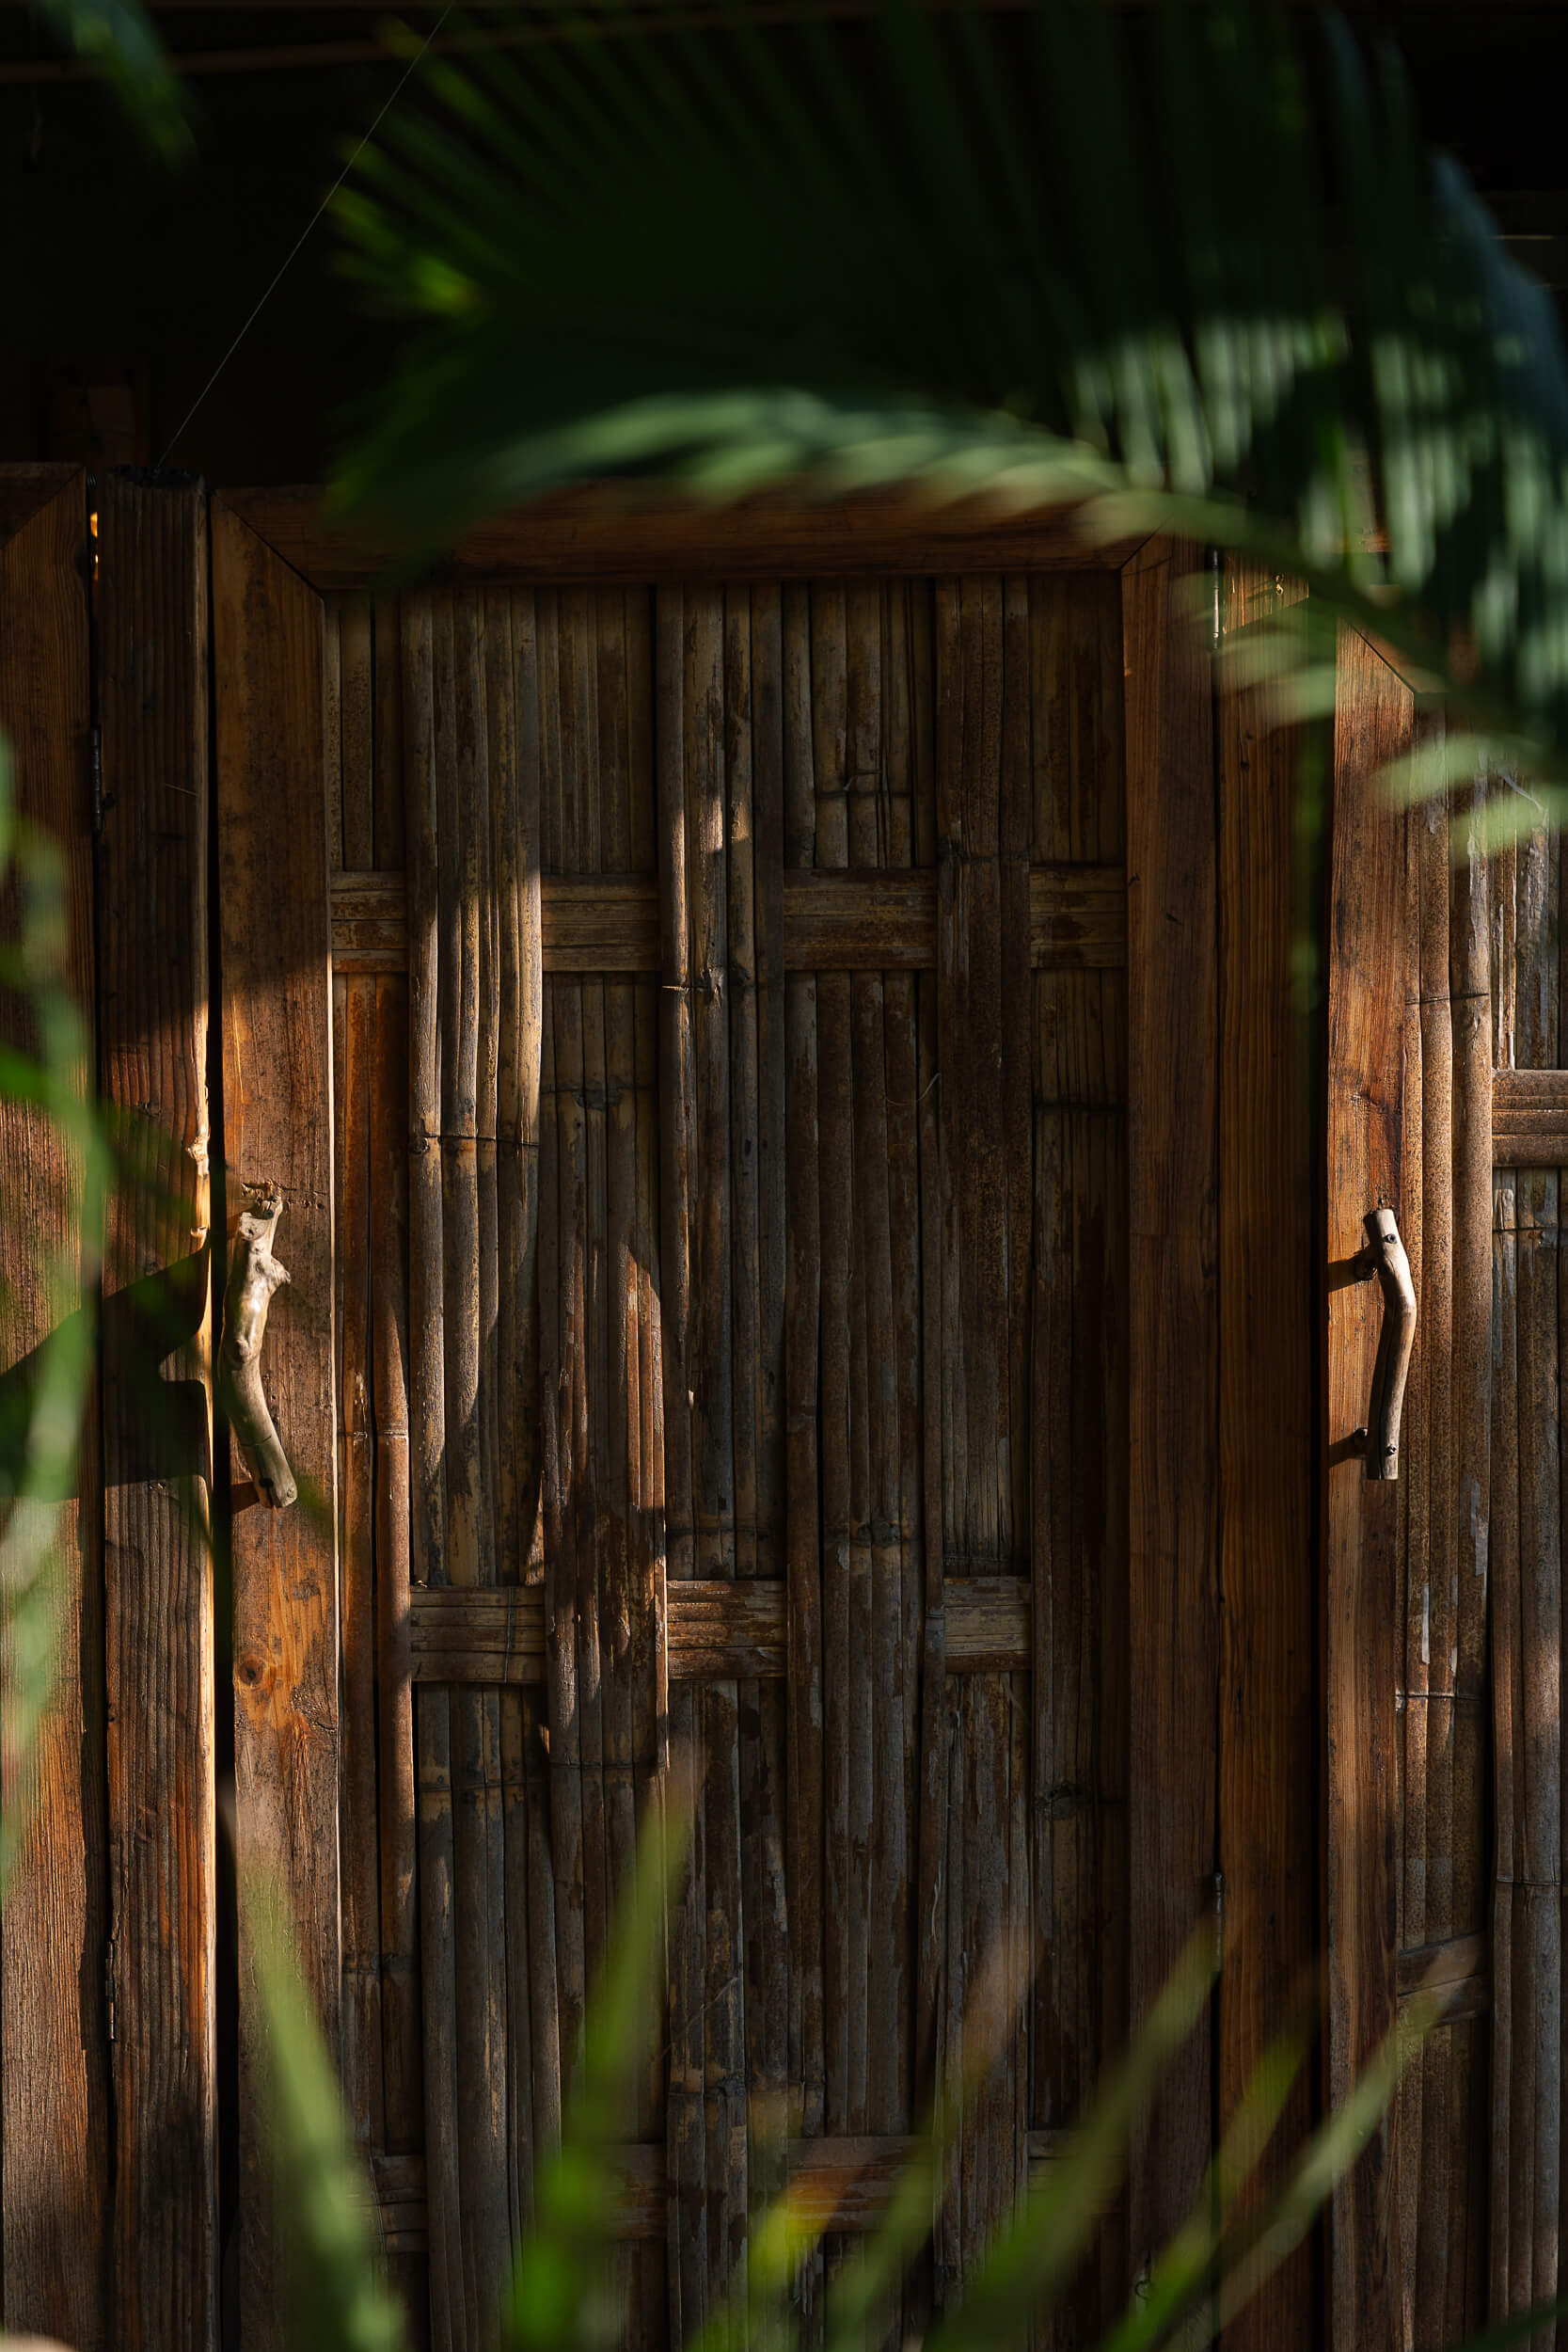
495	1634
877	920
1529	1119
844	2183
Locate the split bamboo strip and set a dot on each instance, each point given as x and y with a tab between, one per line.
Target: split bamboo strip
615	1405
356	706
469	1226
763	1785
390	1374
871	1314
835	1197
390	824
686	2145
713	1435
562	1817
354	1011
427	1465
1079	1407
1171	1623
581	1101
804	1752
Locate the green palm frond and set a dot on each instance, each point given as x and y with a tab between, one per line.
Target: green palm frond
1198	263
121	37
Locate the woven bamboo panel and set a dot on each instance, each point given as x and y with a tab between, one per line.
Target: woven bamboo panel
762	1211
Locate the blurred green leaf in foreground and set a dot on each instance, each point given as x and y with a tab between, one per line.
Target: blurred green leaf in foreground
1188	268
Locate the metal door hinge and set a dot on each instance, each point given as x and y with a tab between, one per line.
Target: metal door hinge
109	1984
95	779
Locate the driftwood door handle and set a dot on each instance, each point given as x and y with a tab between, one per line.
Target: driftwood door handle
1384	1256
254	1274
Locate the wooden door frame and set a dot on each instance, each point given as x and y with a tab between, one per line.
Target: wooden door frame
1183	1812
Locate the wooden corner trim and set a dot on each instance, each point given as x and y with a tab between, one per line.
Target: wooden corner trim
25	490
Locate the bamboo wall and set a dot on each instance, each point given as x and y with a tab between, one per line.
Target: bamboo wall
853	1230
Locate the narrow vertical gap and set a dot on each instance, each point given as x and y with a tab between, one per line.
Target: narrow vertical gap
225	1989
1214	563
94	1665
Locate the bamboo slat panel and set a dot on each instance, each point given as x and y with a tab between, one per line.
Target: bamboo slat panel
764	1219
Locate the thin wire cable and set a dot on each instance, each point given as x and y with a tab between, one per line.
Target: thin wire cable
393	95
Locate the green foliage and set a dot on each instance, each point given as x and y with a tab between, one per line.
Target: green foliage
120	36
565	2294
336	2299
1188	272
41	1400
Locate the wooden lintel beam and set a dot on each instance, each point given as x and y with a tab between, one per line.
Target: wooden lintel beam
832	922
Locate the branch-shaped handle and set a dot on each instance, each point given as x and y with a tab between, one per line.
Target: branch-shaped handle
1385	1257
254	1274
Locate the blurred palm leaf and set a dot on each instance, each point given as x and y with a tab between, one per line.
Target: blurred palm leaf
41	1400
337	2297
1182	265
120	36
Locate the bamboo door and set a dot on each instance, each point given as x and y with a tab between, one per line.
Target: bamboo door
689	1025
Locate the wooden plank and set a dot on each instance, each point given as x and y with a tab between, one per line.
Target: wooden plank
864	921
1267	1425
1173	1342
600	536
53	2026
274	933
1369	951
157	1439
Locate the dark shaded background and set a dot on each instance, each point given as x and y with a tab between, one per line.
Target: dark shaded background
122	285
